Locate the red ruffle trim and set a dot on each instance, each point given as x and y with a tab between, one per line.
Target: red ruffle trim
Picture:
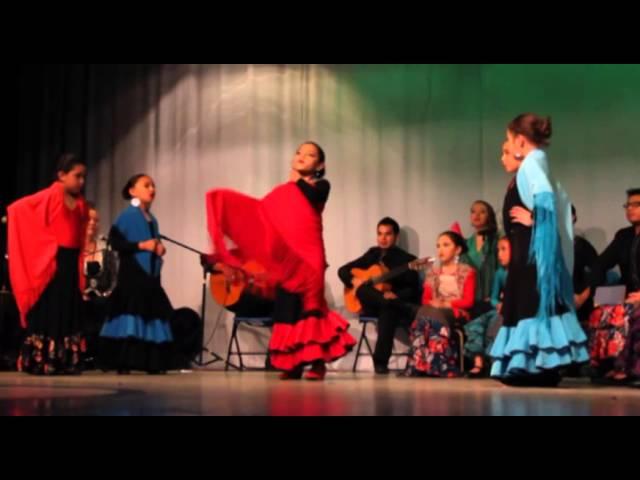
310	340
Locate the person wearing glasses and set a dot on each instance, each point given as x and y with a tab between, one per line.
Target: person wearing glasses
615	334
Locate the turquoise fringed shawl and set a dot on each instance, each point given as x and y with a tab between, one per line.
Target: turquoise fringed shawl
551	246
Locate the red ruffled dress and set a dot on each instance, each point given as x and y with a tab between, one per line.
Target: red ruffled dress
283	232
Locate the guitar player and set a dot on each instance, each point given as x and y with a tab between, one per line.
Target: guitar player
393	309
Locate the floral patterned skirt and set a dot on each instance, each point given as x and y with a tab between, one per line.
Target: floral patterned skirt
435	345
609	328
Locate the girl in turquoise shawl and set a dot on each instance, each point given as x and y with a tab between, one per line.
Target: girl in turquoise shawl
540	333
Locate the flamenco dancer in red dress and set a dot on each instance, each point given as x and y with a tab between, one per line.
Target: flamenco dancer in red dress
46	236
283	232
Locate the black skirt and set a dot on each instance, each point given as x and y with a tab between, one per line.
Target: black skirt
54	342
137	294
521	297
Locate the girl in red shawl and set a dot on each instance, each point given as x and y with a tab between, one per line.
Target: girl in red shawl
46	233
283	232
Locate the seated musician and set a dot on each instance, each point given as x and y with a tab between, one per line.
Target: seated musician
614	330
95	305
393	308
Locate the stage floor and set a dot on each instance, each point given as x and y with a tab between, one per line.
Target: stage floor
257	393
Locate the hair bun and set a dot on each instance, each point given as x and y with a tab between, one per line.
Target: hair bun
544	128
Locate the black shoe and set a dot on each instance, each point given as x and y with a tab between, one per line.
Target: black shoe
89	364
609	381
635	383
381	369
573	371
541	380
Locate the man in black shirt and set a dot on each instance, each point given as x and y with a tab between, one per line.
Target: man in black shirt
624	251
395	308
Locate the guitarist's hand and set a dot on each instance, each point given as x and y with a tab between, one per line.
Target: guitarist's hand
207	263
230	273
390	296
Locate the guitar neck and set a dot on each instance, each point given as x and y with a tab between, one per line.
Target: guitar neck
390	275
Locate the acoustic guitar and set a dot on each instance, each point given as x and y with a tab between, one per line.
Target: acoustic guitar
250	278
378	276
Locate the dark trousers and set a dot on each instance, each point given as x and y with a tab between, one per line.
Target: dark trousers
391	315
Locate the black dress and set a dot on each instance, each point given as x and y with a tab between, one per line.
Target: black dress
137	299
532	346
54	342
521	298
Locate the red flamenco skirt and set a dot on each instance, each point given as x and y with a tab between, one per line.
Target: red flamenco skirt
283	233
310	340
